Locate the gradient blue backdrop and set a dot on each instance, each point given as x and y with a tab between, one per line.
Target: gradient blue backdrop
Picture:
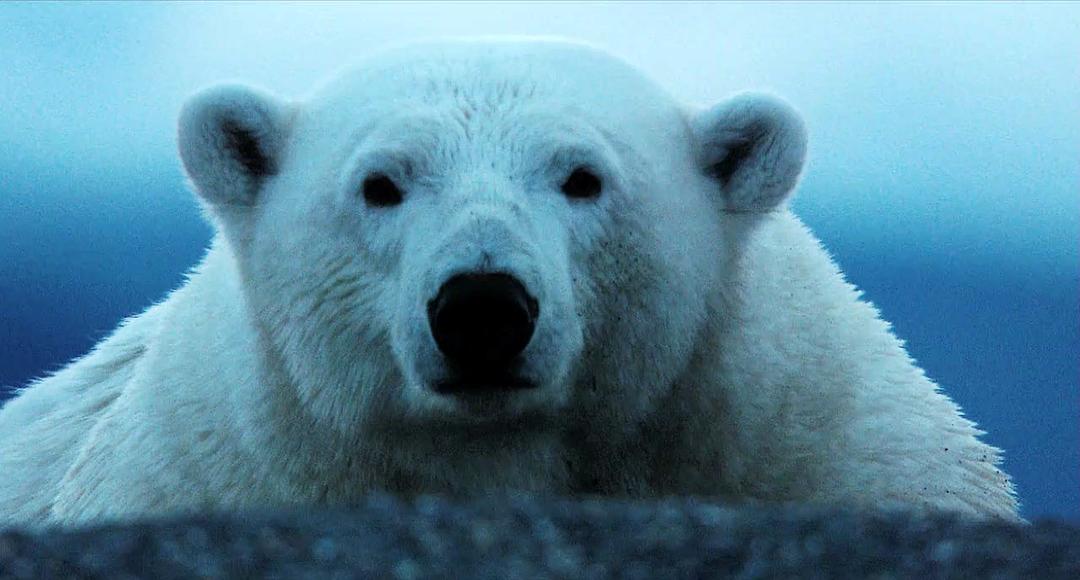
943	172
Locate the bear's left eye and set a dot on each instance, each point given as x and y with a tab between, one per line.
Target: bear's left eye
381	191
581	184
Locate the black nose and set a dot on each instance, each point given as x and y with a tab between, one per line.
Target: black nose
482	321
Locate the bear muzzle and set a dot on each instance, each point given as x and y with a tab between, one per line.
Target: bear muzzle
481	323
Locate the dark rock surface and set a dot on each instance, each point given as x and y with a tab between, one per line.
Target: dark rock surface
523	537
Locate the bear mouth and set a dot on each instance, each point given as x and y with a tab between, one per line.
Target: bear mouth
485	398
486	386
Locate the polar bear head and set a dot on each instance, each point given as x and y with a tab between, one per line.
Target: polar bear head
506	234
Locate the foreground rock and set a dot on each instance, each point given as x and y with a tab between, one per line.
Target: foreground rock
523	537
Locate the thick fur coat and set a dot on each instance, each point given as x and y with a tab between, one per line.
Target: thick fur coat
692	336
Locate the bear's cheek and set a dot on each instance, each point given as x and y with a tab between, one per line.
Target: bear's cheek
559	338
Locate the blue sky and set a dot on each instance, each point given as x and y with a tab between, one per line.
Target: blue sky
944	172
927	113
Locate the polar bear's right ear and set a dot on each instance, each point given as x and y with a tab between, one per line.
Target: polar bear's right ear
231	138
754	145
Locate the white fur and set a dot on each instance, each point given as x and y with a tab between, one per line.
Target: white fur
693	337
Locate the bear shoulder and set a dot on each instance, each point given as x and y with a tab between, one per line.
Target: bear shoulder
43	428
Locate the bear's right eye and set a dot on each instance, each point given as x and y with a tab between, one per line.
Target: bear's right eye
381	191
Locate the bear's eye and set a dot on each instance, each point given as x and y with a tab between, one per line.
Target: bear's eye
381	191
582	184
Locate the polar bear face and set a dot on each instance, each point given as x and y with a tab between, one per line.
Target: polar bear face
507	235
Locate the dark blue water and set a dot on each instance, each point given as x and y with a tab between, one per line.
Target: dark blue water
81	249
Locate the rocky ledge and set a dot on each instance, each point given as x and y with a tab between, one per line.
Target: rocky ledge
532	537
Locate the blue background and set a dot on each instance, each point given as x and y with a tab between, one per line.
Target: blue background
943	173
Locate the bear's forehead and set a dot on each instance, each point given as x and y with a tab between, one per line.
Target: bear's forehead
499	79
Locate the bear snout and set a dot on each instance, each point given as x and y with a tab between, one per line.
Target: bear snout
481	322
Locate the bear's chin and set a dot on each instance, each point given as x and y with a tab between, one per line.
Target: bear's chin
505	402
495	386
485	415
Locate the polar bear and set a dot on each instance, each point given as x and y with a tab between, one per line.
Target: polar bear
491	265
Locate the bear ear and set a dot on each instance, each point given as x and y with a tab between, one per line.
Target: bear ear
754	145
231	139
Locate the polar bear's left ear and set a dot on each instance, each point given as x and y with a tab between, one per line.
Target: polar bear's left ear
231	139
754	145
